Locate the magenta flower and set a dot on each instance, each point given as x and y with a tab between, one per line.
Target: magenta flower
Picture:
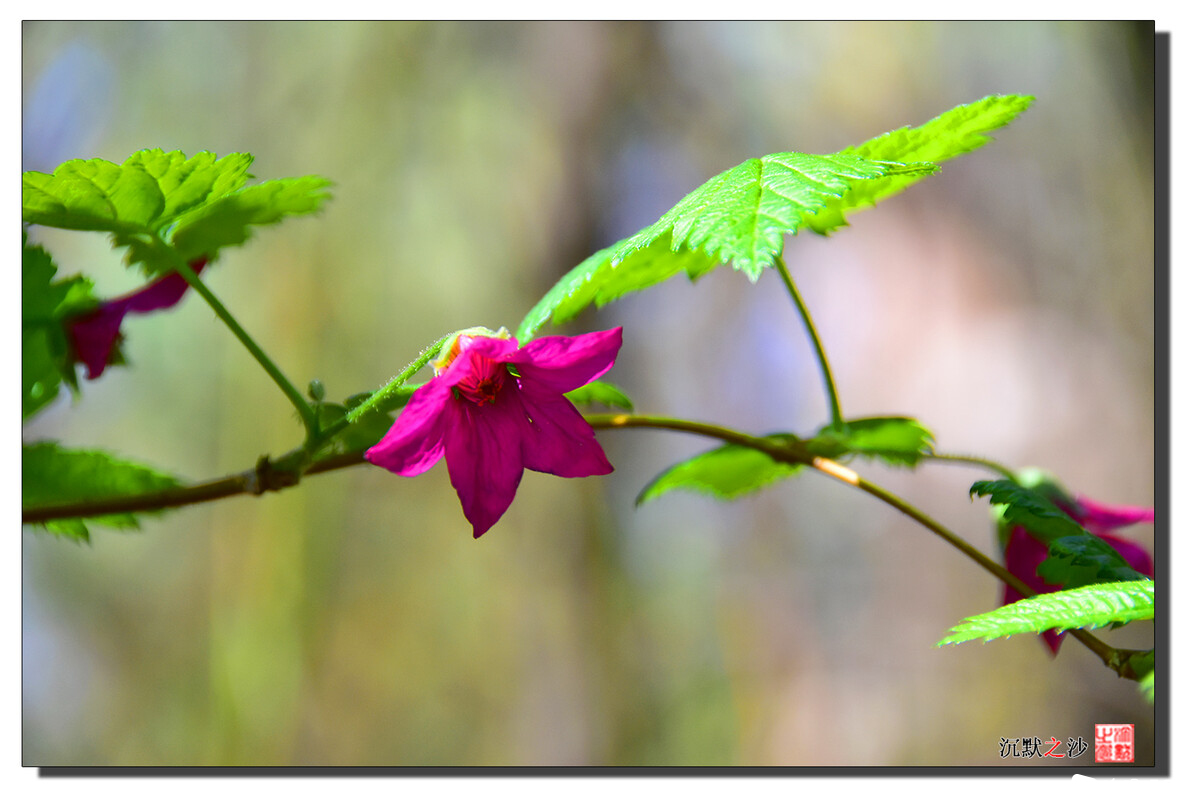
494	409
1024	554
95	335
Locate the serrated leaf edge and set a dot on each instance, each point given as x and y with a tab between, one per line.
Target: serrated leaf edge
1089	606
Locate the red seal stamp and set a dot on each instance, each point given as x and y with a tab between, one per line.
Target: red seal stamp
1114	743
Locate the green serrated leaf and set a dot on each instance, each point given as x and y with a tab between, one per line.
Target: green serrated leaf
1076	556
954	133
226	221
145	192
41	338
1035	513
600	393
1075	561
738	217
45	304
600	280
193	205
52	475
1086	607
727	472
39	295
40	375
901	441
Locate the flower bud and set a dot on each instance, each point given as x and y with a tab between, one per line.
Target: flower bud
459	340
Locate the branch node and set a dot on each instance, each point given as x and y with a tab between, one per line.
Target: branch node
266	477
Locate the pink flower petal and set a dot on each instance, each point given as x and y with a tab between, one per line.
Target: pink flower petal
415	441
483	456
492	423
1097	517
1022	557
555	437
94	335
162	293
564	363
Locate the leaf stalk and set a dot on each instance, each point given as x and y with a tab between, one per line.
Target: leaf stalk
302	406
830	385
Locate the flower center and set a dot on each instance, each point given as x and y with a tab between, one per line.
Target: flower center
483	385
485	377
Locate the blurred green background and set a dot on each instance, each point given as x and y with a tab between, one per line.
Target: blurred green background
1007	303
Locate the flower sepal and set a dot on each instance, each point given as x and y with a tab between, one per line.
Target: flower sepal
459	340
1048	560
1042	484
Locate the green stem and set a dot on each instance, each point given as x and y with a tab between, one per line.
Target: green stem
283	472
354	414
307	414
793	453
1111	656
848	476
1114	658
394	385
393	388
267	477
986	463
830	386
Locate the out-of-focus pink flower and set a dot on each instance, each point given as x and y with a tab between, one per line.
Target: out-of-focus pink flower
1024	554
494	409
95	335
